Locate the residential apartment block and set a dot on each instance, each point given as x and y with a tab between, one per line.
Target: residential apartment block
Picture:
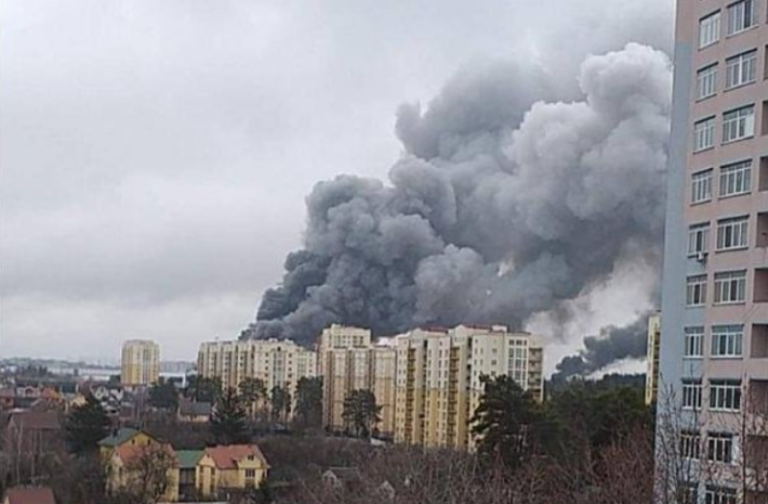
654	348
438	385
276	362
350	361
140	363
714	350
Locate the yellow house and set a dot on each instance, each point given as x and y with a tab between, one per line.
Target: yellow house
197	474
124	437
238	466
138	469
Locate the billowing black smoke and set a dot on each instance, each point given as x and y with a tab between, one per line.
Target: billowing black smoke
613	344
505	204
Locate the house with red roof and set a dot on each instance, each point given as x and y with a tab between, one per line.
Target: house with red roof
238	466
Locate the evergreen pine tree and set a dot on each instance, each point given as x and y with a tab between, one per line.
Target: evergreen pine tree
229	420
86	426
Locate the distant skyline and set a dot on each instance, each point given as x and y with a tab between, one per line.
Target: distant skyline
155	156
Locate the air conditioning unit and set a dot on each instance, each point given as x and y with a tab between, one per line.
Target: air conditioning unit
701	256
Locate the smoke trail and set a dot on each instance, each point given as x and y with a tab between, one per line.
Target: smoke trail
503	205
614	343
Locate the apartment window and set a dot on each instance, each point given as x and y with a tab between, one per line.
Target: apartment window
741	16
704	134
727	340
741	69
739	124
736	178
732	233
689	492
698	239
701	186
720	447
250	473
690	444
694	342
709	29
706	82
725	395
720	495
692	394
696	290
730	287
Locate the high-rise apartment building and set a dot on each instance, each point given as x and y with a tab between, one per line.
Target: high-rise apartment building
654	347
350	361
140	363
277	363
714	350
438	385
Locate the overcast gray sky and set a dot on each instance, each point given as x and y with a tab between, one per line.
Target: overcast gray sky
155	155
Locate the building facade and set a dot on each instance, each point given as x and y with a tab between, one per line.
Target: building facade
140	363
350	361
438	384
277	363
713	382
654	347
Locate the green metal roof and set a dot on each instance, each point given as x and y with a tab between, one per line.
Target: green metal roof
119	437
188	459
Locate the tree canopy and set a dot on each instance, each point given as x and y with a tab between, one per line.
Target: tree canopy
361	414
229	420
86	425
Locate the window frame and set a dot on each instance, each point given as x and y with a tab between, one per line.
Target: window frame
692	394
734	172
701	186
696	290
741	64
752	19
698	238
711	24
739	127
706	80
732	234
727	341
704	129
693	342
723	283
725	395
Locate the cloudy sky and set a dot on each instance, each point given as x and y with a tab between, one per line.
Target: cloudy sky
155	156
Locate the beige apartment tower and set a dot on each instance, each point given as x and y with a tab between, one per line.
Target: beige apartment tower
350	361
652	366
438	385
140	363
714	351
276	362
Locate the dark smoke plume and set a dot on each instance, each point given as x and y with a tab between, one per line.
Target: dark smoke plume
613	344
505	204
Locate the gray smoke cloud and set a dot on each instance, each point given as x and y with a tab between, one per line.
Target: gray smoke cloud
614	343
504	204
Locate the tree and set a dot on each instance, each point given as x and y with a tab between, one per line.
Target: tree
202	389
505	421
309	402
163	395
361	413
252	391
148	473
86	426
229	420
280	400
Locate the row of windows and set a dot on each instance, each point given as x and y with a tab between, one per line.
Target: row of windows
714	494
735	179
732	234
720	446
740	16
724	395
740	70
730	287
726	341
738	124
